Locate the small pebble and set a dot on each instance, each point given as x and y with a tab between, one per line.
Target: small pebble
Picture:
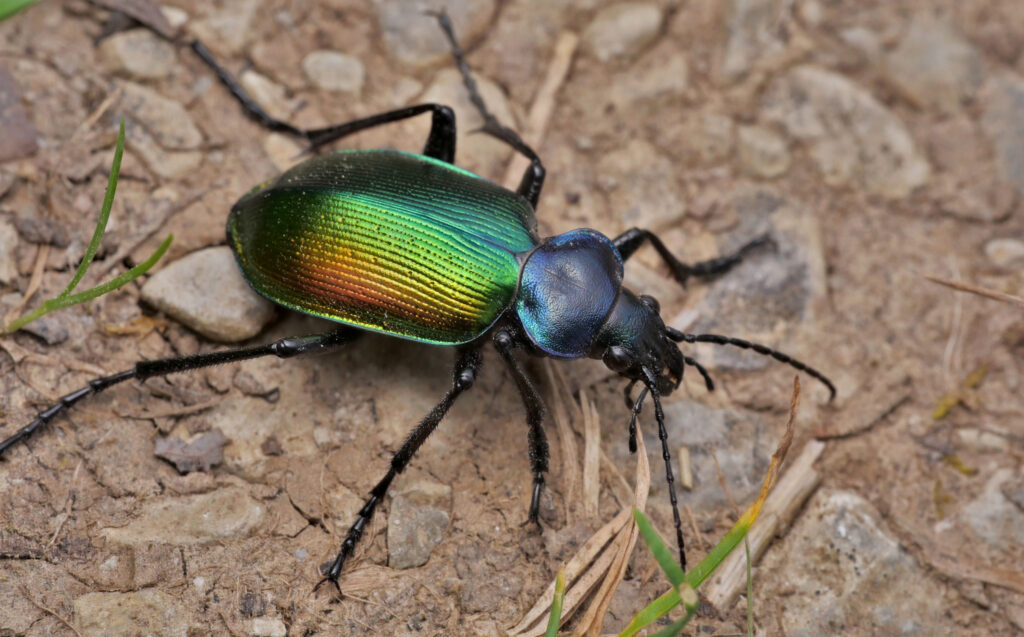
138	53
621	30
334	71
1005	253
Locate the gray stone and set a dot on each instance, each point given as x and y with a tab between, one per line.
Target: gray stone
138	53
481	154
268	627
737	438
1003	123
225	25
845	575
645	192
994	517
267	93
853	138
8	243
163	118
417	523
412	37
334	71
1004	253
53	329
933	66
206	291
19	138
660	72
762	153
193	519
163	163
754	34
146	612
774	287
622	30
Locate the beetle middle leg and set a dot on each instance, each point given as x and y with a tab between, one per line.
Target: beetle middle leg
629	241
463	377
440	141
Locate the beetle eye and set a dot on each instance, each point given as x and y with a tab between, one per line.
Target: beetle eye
617	359
651	302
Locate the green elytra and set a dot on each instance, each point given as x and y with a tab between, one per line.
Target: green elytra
390	241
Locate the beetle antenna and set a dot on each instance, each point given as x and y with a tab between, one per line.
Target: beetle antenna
635	411
710	384
682	337
659	415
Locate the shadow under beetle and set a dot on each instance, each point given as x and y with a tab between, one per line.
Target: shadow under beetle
412	246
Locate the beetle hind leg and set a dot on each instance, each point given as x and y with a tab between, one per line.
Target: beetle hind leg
282	348
440	142
533	179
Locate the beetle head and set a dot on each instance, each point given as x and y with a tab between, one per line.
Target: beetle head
633	343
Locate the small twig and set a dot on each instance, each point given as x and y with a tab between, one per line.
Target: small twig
224	618
701	542
591	457
49	611
170	412
67	506
544	103
974	289
721	481
33	284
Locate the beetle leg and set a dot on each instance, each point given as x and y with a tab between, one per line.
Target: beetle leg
533	179
440	142
283	348
538	441
463	377
629	241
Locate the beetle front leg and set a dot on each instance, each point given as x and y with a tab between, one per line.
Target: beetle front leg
463	378
539	452
629	241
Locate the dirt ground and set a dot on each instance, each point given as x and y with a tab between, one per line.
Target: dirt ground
875	142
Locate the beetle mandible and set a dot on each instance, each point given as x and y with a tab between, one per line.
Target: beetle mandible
414	247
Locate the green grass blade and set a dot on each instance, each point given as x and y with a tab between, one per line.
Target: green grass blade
10	7
661	552
661	606
101	224
556	605
92	293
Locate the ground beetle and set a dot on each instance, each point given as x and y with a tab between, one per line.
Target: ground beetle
412	246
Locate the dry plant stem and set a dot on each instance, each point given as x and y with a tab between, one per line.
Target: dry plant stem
781	506
980	291
543	104
592	622
576	566
600	561
33	283
170	412
591	458
560	410
48	611
67	506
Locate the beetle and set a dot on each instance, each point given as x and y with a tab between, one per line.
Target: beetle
412	246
